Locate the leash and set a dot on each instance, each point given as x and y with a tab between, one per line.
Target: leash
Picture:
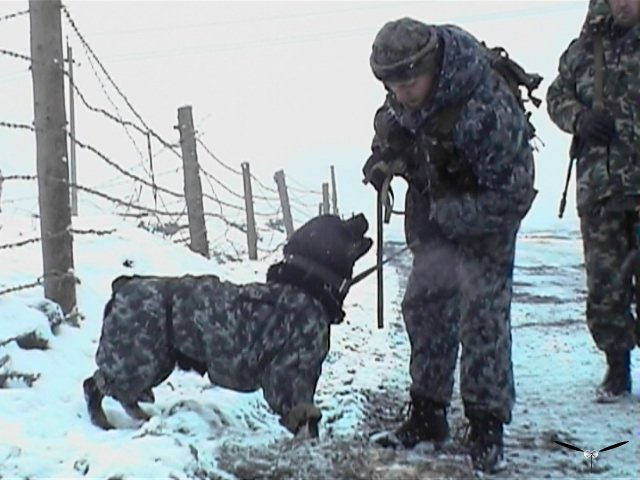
384	209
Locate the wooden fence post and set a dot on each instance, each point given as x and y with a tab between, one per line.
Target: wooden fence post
284	202
51	153
325	198
252	236
192	184
334	193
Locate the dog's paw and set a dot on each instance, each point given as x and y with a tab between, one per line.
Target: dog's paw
302	420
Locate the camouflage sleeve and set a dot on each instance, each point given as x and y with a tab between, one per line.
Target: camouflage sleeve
562	102
493	140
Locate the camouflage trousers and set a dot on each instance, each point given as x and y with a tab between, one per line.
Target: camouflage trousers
460	294
607	239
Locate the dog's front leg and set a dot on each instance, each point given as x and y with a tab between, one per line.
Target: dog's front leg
134	411
93	397
302	420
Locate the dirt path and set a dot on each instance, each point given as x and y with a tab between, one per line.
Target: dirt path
556	369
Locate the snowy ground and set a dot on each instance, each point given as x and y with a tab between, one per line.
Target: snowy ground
202	431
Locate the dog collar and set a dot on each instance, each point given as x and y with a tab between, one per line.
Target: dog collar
316	269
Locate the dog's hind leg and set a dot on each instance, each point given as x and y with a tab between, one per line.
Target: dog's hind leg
93	397
134	411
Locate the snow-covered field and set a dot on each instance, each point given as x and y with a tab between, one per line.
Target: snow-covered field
202	431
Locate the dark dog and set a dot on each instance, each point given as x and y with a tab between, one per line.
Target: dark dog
272	335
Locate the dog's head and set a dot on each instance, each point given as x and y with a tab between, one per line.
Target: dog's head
331	242
320	256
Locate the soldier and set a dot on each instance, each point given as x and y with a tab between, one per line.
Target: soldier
596	98
453	128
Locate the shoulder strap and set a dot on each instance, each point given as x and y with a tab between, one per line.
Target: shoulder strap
598	70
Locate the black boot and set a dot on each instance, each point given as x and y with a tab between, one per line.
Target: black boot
485	441
427	422
617	380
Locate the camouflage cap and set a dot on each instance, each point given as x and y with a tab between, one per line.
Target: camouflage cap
403	49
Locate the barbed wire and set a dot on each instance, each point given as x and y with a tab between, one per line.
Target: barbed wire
10	53
216	159
115	86
126	123
301	212
142	181
113	104
126	173
18	177
73	231
23	126
26	286
149	131
301	188
294	199
39	282
10	16
231	169
21	243
110	116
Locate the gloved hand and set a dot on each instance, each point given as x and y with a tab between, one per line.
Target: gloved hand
596	126
375	170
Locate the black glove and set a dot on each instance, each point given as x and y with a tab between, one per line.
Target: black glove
596	126
375	170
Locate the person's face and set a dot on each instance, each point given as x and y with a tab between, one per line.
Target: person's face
626	13
413	92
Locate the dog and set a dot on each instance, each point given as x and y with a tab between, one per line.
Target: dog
272	335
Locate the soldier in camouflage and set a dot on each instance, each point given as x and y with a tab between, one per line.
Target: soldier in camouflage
603	115
272	335
453	129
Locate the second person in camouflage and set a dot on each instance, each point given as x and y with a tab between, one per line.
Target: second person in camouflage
605	122
462	142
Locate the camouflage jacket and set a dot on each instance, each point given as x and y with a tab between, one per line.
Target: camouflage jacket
234	331
487	183
603	172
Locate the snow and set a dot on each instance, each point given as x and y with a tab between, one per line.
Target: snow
198	430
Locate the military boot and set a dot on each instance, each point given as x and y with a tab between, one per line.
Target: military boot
617	380
485	441
426	422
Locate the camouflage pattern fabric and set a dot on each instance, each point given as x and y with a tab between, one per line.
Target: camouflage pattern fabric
608	177
611	171
272	335
467	196
607	240
490	145
269	336
461	294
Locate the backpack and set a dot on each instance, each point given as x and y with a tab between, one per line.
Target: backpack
452	169
515	77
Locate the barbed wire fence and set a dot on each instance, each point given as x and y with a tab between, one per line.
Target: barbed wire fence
149	191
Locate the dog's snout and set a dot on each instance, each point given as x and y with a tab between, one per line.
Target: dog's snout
357	226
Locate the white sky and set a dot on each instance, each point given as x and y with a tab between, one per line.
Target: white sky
277	84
